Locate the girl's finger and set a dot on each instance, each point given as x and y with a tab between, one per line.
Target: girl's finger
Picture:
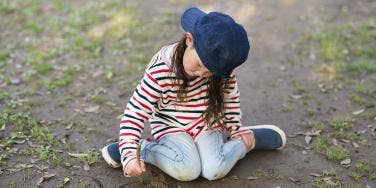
142	165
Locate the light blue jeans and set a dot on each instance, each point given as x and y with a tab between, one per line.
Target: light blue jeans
184	159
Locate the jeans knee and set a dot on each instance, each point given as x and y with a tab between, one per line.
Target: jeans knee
213	172
187	170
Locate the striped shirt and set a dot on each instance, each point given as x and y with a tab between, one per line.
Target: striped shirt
155	100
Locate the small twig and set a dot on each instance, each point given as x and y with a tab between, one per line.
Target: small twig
138	155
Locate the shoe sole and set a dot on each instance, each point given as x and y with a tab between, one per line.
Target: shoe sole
276	129
108	159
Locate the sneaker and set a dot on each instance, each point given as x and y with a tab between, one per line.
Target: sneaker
111	155
268	137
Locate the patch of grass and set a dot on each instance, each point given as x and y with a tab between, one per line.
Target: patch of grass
369	113
7	7
357	98
357	68
340	123
364	89
98	99
4	55
362	165
43	68
332	47
63	101
91	157
364	168
316	125
342	126
356	176
46	153
286	108
42	134
26	126
38	56
27	151
328	176
4	95
64	81
34	27
336	153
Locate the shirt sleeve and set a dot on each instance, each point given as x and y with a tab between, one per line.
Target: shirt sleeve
138	110
232	109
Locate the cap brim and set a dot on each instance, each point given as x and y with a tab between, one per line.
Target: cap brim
189	18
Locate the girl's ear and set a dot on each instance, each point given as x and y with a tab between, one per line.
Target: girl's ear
189	39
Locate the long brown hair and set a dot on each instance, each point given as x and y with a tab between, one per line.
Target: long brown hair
216	87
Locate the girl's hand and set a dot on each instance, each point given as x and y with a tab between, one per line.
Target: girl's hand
134	168
248	139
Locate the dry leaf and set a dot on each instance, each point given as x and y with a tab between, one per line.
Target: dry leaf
356	145
77	154
295	96
335	142
47	175
66	180
294	180
40	181
252	177
308	139
19	141
304	152
346	163
91	109
86	167
69	126
33	145
315	174
329	181
358	112
345	141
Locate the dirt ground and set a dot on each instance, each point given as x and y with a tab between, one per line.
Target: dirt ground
77	101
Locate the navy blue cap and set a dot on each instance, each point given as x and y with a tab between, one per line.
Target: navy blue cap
220	42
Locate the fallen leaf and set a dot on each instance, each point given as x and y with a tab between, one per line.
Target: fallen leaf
66	180
308	139
252	177
33	145
69	126
315	174
345	141
86	167
47	175
335	142
358	111
304	152
13	150
329	181
356	145
91	109
295	96
19	141
77	154
294	180
40	181
346	163
33	161
97	73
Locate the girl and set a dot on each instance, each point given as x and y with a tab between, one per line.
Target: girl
190	97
